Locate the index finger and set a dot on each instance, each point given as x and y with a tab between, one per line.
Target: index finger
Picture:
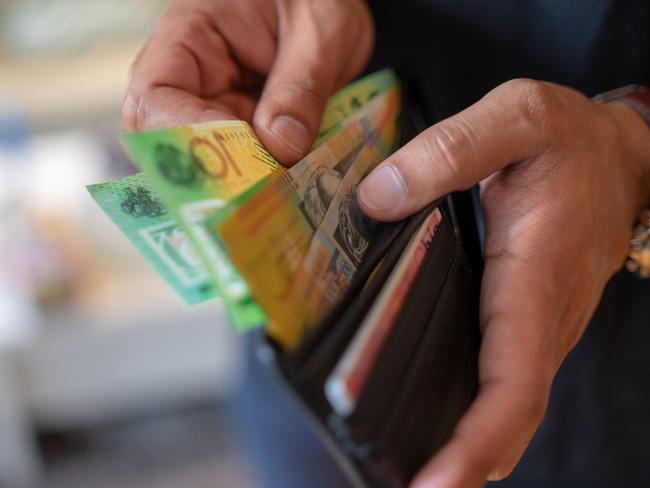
183	74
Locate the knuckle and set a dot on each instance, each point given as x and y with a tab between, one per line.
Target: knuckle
134	109
302	93
323	29
449	147
139	119
138	112
195	24
196	27
538	103
129	113
357	15
356	33
309	88
347	13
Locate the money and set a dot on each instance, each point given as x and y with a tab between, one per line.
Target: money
334	254
133	206
344	385
197	169
184	270
268	235
350	99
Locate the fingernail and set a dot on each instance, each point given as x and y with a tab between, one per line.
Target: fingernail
496	475
493	476
383	189
292	132
429	483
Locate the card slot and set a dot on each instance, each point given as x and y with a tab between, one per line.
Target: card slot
395	357
323	344
407	429
441	382
307	367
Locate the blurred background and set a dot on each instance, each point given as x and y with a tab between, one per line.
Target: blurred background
106	377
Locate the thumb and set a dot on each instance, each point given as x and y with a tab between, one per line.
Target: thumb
307	68
456	153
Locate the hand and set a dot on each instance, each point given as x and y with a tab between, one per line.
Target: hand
563	180
272	63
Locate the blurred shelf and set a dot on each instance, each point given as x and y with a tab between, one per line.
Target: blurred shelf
75	375
61	92
79	375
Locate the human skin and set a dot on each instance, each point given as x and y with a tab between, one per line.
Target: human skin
272	63
562	178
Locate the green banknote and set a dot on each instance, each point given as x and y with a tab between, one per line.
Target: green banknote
133	206
196	169
350	99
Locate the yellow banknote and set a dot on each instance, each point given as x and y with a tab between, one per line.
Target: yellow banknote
268	236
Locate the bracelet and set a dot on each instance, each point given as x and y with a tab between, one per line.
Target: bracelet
637	97
638	261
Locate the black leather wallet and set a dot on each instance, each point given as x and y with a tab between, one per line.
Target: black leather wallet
425	375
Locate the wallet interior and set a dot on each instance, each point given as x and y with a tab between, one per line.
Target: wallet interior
426	373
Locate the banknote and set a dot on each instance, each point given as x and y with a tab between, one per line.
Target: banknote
350	99
133	206
268	235
191	276
346	381
333	256
197	169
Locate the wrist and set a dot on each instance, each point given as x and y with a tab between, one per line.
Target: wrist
630	106
634	137
641	152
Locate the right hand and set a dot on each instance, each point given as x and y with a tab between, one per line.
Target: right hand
272	63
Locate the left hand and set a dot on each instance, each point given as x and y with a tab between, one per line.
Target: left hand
563	180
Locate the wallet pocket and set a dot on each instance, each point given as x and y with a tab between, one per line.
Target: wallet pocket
323	345
396	355
425	373
441	382
425	376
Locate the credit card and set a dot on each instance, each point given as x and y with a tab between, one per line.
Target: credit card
346	381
